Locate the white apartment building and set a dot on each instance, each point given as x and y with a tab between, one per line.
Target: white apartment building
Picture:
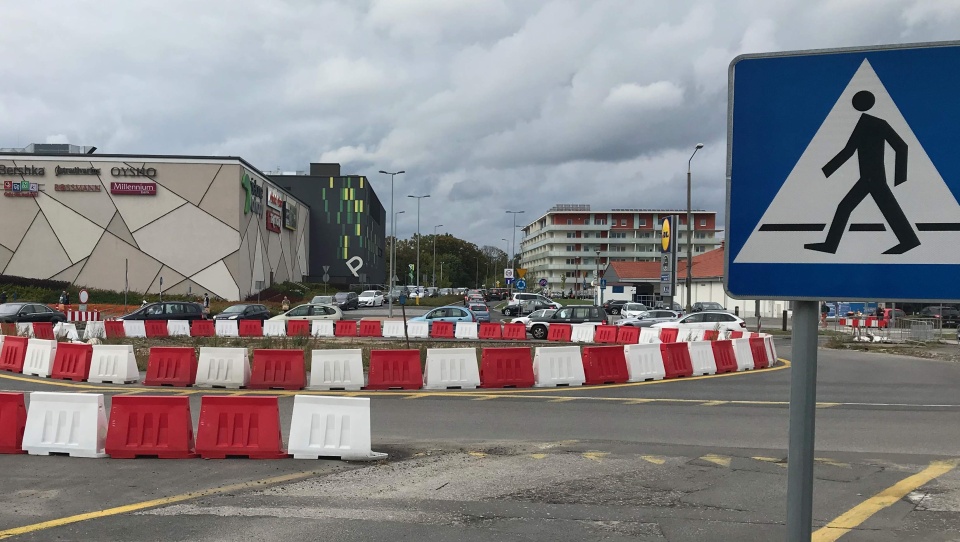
570	242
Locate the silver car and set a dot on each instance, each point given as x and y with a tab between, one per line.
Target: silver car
648	318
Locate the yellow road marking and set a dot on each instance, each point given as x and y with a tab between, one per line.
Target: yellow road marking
595	456
831	462
714	403
563	399
653	459
717	459
155	503
637	401
485	397
774	460
860	513
828	405
416	395
477	454
538	456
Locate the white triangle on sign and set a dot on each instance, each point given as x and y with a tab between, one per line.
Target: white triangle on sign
808	199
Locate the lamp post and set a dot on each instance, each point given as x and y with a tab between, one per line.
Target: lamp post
690	234
599	296
417	274
506	251
435	254
393	233
513	242
393	252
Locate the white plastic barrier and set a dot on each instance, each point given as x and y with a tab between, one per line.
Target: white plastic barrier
644	362
68	423
1	341
557	366
741	351
226	328
25	329
38	360
701	357
94	330
223	367
275	328
690	335
418	329
393	329
649	335
65	330
113	364
178	328
336	369
451	368
134	329
771	349
466	330
331	427
582	333
321	328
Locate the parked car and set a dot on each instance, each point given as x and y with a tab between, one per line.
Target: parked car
948	316
497	294
613	306
480	311
346	300
447	313
514	308
701	306
629	310
370	298
574	314
244	312
676	307
311	311
648	318
167	310
25	311
723	321
525	320
322	300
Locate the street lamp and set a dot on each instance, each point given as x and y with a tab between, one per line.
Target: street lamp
599	293
393	252
393	233
435	254
690	233
513	236
417	276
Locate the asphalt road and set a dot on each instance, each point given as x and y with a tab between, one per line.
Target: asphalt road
698	459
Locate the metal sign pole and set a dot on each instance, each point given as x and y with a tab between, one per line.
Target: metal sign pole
803	411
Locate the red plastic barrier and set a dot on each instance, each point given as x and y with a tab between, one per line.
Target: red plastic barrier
72	362
711	335
155	328
150	426
203	328
489	330
171	366
560	332
250	328
43	330
759	351
298	328
395	369
370	328
114	329
278	369
515	331
735	335
345	328
239	426
605	334
604	365
442	330
13	420
725	357
506	368
669	334
628	335
13	354
676	360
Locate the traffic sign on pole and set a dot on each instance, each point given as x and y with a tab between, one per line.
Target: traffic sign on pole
521	284
542	282
508	273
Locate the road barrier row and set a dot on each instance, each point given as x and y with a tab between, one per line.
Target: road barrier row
400	369
77	425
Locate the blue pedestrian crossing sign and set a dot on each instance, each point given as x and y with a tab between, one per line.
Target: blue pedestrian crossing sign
843	175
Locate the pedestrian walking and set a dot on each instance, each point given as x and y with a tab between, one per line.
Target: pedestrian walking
206	304
285	304
824	311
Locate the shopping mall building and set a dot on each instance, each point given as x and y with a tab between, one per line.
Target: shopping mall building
183	224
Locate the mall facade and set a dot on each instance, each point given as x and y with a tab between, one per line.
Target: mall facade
183	224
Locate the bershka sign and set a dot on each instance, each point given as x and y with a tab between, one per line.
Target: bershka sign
20	189
77	187
274	198
25	170
133	189
58	171
273	221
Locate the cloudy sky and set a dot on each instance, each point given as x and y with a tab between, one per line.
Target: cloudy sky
488	105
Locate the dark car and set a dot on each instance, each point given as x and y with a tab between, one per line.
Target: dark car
574	314
948	316
614	305
244	312
700	306
29	312
167	310
346	300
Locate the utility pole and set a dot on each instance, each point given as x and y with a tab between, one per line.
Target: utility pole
393	233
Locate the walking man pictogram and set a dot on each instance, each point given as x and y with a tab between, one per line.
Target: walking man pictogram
868	140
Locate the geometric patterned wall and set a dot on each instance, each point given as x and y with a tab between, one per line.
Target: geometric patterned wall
189	232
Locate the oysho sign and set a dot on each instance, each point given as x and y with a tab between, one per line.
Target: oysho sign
133	189
274	198
273	221
133	172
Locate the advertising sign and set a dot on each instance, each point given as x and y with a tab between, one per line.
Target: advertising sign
133	189
289	216
274	198
15	189
273	221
